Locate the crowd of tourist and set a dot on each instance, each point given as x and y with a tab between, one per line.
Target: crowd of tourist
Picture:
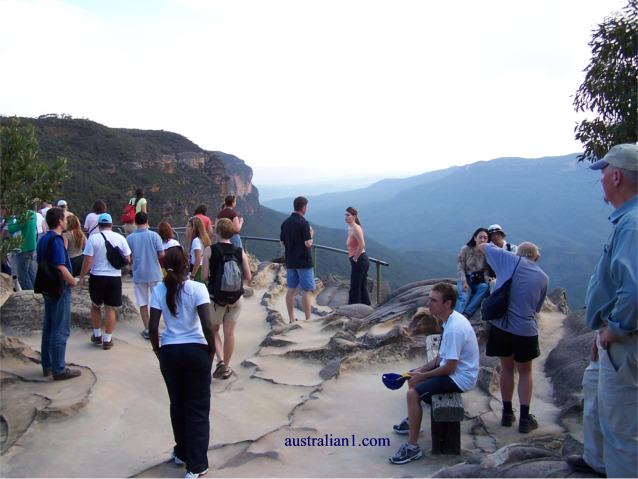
197	290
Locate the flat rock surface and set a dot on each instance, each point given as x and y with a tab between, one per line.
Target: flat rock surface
283	390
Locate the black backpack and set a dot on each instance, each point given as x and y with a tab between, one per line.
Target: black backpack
114	254
496	304
48	279
226	285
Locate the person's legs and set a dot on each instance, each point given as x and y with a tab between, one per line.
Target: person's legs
218	342
415	415
229	341
109	319
618	402
45	345
292	280
306	303
230	321
593	435
462	297
365	266
60	331
354	295
479	291
307	283
96	317
197	407
171	367
26	275
507	378
525	383
290	304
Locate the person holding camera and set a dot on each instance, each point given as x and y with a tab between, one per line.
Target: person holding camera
473	274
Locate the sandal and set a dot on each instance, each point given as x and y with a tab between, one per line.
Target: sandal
219	370
228	373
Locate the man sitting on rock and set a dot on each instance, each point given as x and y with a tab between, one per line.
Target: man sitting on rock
454	370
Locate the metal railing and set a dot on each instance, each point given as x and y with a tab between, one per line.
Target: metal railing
315	247
245	239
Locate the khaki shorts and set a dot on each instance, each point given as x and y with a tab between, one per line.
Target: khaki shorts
143	292
222	314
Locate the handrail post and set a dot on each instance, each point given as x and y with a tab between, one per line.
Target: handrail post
314	258
378	283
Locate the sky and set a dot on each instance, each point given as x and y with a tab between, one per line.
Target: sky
308	91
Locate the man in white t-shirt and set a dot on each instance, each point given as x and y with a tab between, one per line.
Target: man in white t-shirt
105	281
454	370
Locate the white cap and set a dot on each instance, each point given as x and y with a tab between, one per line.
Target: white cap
61	203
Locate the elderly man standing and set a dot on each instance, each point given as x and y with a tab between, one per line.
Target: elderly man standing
610	382
514	337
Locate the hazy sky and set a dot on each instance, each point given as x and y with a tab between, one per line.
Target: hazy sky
306	90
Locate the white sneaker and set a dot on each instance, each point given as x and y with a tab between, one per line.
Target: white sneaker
194	475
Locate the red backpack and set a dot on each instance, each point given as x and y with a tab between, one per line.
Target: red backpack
128	216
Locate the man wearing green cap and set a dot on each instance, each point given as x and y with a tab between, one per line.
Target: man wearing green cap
610	382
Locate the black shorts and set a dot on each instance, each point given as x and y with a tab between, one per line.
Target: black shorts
503	344
436	385
106	290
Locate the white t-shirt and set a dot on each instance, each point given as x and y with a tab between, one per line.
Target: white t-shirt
459	342
41	225
170	243
196	244
185	327
96	248
90	223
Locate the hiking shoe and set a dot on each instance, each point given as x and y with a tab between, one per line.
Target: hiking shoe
406	453
107	344
67	374
177	460
193	475
577	464
402	428
97	340
508	418
527	424
145	334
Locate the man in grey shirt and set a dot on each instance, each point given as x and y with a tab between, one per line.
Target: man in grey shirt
514	338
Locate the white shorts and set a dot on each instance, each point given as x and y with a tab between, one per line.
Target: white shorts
222	314
143	292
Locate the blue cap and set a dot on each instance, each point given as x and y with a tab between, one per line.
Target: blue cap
105	219
623	156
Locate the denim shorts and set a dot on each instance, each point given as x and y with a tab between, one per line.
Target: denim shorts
305	277
436	385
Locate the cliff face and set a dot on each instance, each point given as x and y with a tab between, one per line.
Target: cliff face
110	163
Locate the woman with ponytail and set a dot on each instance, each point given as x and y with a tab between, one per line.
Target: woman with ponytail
359	261
185	354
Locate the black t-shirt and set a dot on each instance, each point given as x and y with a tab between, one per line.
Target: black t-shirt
216	257
295	231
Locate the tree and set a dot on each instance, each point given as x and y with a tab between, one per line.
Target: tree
24	179
610	87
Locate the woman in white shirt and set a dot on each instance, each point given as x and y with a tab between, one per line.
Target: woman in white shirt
199	241
185	354
90	222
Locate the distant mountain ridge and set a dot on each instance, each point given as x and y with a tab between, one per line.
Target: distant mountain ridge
552	201
417	224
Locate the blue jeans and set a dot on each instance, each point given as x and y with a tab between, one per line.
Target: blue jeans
55	331
27	268
236	240
469	301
